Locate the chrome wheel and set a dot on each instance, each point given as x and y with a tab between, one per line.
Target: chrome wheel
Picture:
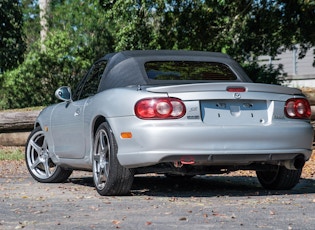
101	159
110	178
39	162
37	157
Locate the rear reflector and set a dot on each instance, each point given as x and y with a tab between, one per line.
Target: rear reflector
236	89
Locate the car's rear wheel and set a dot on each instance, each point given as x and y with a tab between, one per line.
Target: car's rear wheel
280	179
39	162
110	178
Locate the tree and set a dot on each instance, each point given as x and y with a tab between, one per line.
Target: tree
129	23
43	13
244	29
239	27
12	45
79	32
34	82
86	24
298	24
31	22
274	26
71	45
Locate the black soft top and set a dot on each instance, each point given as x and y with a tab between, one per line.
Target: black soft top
126	68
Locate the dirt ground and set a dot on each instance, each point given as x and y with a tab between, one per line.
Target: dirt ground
233	201
18	167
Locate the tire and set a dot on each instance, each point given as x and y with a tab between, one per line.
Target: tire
39	162
110	178
280	179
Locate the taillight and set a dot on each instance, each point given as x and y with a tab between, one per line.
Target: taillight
297	108
160	108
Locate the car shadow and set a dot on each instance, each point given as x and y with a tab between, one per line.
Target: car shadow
202	186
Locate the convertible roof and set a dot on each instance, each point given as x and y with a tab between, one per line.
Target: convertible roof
126	68
150	53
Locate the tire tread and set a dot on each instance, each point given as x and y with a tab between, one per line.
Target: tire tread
284	179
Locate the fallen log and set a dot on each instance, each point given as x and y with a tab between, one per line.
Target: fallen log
12	121
13	139
15	126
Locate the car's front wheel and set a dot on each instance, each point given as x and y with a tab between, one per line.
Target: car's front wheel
39	162
280	179
110	178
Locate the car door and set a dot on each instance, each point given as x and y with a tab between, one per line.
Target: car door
67	119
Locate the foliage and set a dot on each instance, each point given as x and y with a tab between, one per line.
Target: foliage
31	21
12	45
86	25
264	73
33	83
82	31
244	29
71	46
241	28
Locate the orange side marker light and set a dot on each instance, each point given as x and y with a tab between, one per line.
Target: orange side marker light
126	135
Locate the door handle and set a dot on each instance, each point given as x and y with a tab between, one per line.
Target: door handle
77	112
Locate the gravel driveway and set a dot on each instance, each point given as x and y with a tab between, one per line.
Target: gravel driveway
155	202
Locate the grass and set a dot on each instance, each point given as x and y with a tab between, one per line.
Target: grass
11	153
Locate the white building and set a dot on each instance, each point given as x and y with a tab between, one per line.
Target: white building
300	72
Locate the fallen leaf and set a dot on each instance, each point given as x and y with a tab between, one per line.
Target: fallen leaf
116	222
173	199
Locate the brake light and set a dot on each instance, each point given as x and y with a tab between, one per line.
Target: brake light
160	108
236	89
297	108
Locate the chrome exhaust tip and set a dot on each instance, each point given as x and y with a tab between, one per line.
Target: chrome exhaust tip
297	163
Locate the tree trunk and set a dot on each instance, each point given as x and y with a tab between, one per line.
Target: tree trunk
43	13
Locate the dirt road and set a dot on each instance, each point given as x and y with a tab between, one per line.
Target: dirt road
155	202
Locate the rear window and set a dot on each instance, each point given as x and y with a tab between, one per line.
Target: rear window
188	70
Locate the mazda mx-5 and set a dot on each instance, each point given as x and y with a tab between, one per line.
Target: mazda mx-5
178	113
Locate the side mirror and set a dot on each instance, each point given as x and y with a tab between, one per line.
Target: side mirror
64	94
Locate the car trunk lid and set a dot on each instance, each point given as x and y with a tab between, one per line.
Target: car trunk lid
231	103
202	87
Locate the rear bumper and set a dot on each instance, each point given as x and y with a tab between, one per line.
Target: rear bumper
215	158
154	142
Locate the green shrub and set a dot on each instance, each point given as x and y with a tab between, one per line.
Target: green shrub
33	83
264	73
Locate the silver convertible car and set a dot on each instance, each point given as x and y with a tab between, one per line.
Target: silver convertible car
178	113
